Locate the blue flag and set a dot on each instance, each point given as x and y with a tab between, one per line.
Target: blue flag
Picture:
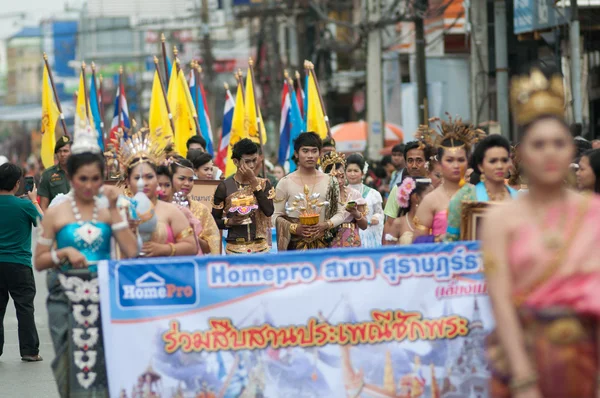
95	106
297	126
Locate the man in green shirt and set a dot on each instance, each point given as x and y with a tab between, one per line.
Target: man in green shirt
16	275
54	179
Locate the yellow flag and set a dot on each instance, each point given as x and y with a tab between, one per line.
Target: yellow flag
238	130
253	113
80	113
159	117
315	118
182	108
50	115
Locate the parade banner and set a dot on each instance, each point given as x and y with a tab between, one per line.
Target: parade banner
398	321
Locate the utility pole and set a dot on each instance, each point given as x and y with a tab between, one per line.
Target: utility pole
575	63
501	67
208	69
421	7
479	62
375	118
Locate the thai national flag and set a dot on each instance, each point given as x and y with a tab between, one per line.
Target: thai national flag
114	127
221	158
199	97
284	125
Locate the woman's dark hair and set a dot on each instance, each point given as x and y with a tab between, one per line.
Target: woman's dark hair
10	174
177	162
491	141
594	158
137	161
244	147
200	159
164	171
357	159
309	139
74	162
420	187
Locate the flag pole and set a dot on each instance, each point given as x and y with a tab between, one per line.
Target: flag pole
101	132
164	56
162	87
196	73
120	103
85	93
311	69
62	117
260	137
240	78
101	103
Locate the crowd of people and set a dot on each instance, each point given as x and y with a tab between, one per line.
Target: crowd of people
535	247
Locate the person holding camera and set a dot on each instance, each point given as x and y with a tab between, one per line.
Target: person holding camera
16	274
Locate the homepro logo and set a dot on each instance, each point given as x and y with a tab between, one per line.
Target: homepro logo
158	285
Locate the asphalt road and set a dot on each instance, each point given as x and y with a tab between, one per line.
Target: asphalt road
22	379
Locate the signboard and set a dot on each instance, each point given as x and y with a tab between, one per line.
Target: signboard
299	324
535	15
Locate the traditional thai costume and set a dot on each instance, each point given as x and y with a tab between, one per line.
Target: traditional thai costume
555	276
348	232
371	237
234	198
468	193
210	232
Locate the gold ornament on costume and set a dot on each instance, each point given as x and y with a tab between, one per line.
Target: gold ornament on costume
333	158
308	206
459	134
534	95
136	148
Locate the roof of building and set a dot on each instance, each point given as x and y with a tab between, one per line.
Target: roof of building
28	31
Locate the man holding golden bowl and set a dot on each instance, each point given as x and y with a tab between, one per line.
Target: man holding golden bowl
307	205
243	203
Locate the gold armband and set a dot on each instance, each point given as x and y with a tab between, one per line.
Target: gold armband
184	234
293	228
271	194
419	226
218	207
329	224
173	250
523	384
360	218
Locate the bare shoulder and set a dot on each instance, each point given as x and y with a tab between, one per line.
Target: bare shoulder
507	215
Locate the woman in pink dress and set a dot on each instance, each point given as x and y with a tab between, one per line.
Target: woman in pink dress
542	261
453	141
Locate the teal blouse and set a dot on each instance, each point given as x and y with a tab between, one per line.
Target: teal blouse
92	240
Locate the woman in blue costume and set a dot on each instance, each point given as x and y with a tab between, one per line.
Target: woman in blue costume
490	162
74	236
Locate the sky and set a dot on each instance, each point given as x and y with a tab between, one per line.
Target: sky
35	10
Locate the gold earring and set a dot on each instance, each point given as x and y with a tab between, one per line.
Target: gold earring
482	178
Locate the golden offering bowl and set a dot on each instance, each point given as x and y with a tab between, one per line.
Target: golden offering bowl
309	219
243	201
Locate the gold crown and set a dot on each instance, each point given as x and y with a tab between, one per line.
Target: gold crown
453	130
533	95
137	148
333	158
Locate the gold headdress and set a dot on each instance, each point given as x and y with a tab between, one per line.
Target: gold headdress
533	95
454	131
137	148
333	158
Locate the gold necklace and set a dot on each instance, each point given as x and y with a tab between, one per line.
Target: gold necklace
552	239
497	197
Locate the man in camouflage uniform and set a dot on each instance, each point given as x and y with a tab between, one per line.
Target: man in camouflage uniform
54	179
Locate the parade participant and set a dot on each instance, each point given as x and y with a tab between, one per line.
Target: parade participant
196	143
542	261
410	194
243	203
203	166
54	179
435	171
347	234
138	158
356	169
415	153
399	164
183	181
453	142
328	146
165	183
19	215
278	172
74	236
490	162
294	231
588	174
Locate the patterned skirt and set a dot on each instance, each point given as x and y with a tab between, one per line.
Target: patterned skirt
563	347
347	236
76	330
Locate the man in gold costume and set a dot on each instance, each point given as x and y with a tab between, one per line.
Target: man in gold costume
243	203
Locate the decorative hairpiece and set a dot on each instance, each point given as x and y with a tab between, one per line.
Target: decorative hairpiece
85	139
137	146
333	158
534	95
404	191
454	130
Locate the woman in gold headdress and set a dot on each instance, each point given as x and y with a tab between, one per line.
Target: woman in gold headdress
453	141
138	158
542	261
